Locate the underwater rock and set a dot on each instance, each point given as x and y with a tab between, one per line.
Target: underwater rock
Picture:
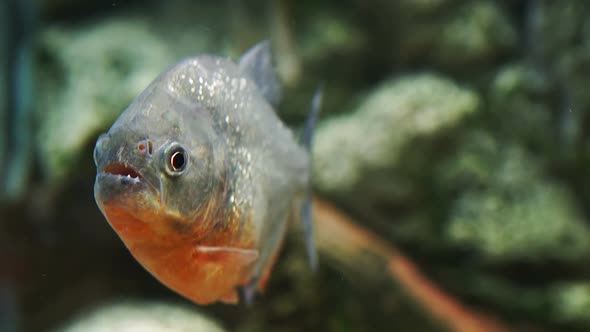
327	34
472	33
332	47
317	44
519	94
349	147
89	74
517	232
9	314
18	21
478	33
573	74
507	210
536	224
571	302
556	26
565	302
557	44
134	316
425	7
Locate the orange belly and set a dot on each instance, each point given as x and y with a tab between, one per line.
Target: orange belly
203	271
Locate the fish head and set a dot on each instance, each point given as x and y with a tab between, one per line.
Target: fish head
159	167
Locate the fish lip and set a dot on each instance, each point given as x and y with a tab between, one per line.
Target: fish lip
116	179
121	170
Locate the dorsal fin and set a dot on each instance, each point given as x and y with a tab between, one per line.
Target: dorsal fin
257	64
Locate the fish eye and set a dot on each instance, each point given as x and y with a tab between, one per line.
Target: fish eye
176	159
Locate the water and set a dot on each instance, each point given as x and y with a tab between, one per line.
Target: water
450	162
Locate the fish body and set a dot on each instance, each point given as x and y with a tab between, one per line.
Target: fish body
198	176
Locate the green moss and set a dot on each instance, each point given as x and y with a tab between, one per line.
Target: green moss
372	137
456	36
509	211
537	223
520	94
572	302
142	317
90	75
477	33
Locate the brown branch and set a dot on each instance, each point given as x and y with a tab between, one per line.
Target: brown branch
342	239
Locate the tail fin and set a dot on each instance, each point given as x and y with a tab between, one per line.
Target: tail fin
306	217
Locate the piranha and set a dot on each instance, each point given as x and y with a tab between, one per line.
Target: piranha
199	177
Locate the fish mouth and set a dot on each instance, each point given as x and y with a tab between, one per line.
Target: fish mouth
117	182
121	170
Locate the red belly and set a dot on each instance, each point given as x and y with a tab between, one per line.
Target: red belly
205	271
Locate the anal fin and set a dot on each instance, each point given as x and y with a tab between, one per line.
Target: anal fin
247	292
267	269
307	227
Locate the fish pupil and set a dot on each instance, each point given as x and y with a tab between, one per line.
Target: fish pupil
177	160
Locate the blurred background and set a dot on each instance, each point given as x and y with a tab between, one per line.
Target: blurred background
456	130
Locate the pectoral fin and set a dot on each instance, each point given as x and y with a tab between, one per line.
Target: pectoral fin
236	257
226	255
231	297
